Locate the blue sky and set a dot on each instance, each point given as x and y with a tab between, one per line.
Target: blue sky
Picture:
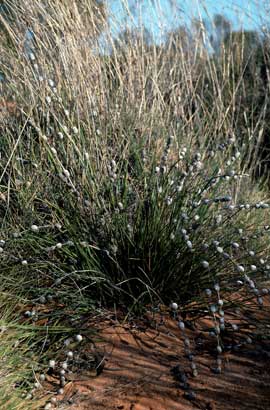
161	15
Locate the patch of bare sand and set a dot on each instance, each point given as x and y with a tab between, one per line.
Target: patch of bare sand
138	359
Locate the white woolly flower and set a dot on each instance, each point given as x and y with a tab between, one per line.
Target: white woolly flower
219	349
174	306
169	200
189	244
70	354
213	308
64	365
181	325
66	173
205	264
44	138
78	338
32	56
52	364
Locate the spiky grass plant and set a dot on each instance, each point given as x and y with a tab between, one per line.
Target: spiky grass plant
141	223
138	190
120	181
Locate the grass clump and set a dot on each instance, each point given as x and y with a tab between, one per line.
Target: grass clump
123	181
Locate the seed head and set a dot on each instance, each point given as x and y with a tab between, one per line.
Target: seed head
189	244
208	292
78	338
213	308
260	301
64	365
187	342
32	56
174	306
169	200
205	264
181	325
52	364
66	173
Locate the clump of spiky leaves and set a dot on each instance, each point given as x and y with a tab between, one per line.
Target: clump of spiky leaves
136	222
117	193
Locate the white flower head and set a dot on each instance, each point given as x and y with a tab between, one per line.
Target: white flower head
78	338
174	306
205	264
52	364
66	173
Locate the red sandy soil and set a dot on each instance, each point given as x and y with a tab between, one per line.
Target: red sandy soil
136	359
